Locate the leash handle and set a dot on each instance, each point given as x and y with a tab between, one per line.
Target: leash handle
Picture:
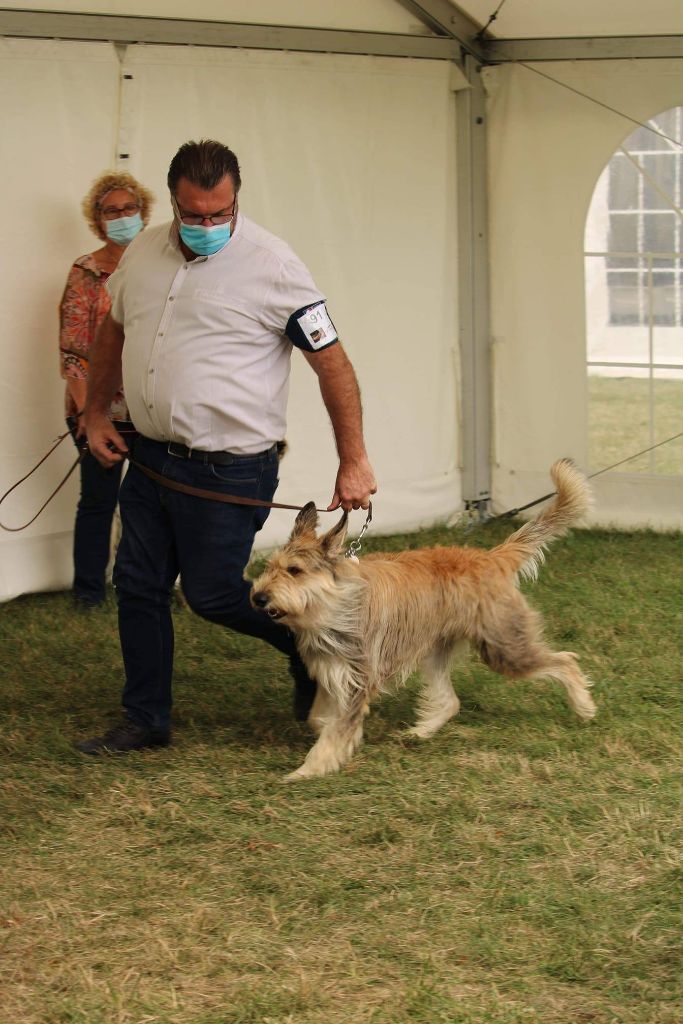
79	458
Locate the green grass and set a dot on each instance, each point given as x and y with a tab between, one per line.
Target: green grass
519	868
619	424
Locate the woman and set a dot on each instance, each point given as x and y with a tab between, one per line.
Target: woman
116	208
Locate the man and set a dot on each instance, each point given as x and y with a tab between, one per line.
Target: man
204	315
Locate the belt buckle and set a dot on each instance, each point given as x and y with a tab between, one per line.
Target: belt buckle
174	454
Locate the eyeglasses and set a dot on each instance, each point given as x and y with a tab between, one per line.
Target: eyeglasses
222	217
112	212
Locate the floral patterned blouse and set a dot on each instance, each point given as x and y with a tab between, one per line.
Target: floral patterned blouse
84	305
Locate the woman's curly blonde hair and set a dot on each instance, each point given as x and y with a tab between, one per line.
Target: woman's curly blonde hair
105	184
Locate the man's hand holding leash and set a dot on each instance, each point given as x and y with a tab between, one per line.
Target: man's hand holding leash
354	485
104	441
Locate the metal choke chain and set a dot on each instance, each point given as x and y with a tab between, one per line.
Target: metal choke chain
355	545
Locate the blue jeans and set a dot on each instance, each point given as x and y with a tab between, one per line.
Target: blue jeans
94	515
208	542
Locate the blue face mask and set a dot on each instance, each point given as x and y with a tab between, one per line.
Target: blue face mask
205	241
124	229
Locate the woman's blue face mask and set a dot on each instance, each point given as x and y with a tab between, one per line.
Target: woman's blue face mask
205	241
124	229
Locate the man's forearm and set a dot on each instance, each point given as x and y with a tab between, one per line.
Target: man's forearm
341	395
104	378
339	389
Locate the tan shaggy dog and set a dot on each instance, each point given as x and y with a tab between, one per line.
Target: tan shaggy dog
360	625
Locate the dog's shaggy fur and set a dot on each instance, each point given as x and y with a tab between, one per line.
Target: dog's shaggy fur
360	625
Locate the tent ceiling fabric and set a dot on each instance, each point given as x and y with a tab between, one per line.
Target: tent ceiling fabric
505	31
517	19
436	29
553	19
356	15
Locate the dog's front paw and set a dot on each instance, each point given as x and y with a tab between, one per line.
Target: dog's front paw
417	732
315	770
299	774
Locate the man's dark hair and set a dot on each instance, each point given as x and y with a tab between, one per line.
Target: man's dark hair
204	163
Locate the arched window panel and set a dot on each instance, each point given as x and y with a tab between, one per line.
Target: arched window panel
634	301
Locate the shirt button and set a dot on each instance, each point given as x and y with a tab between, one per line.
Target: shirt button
171	298
161	334
151	371
151	405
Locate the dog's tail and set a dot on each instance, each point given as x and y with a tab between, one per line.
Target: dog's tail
524	549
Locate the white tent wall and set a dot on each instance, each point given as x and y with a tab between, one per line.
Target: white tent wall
547	148
57	122
351	159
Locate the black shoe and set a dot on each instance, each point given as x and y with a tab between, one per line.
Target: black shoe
123	737
304	688
87	604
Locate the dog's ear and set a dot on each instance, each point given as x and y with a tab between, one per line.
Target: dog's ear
306	521
333	542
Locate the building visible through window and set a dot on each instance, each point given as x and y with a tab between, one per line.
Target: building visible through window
634	301
641	220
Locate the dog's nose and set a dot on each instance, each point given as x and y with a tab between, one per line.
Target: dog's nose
260	599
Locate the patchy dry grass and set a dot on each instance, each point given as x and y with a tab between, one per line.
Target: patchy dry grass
520	868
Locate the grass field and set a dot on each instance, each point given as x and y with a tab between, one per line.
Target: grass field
520	868
619	424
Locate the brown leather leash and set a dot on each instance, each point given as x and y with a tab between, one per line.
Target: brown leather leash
17	529
234	499
164	481
199	492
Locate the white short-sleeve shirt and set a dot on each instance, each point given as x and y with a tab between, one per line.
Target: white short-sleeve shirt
207	348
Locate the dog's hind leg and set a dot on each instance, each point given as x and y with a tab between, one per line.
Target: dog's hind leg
513	646
562	666
438	701
340	735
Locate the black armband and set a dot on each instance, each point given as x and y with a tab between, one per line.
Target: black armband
310	328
